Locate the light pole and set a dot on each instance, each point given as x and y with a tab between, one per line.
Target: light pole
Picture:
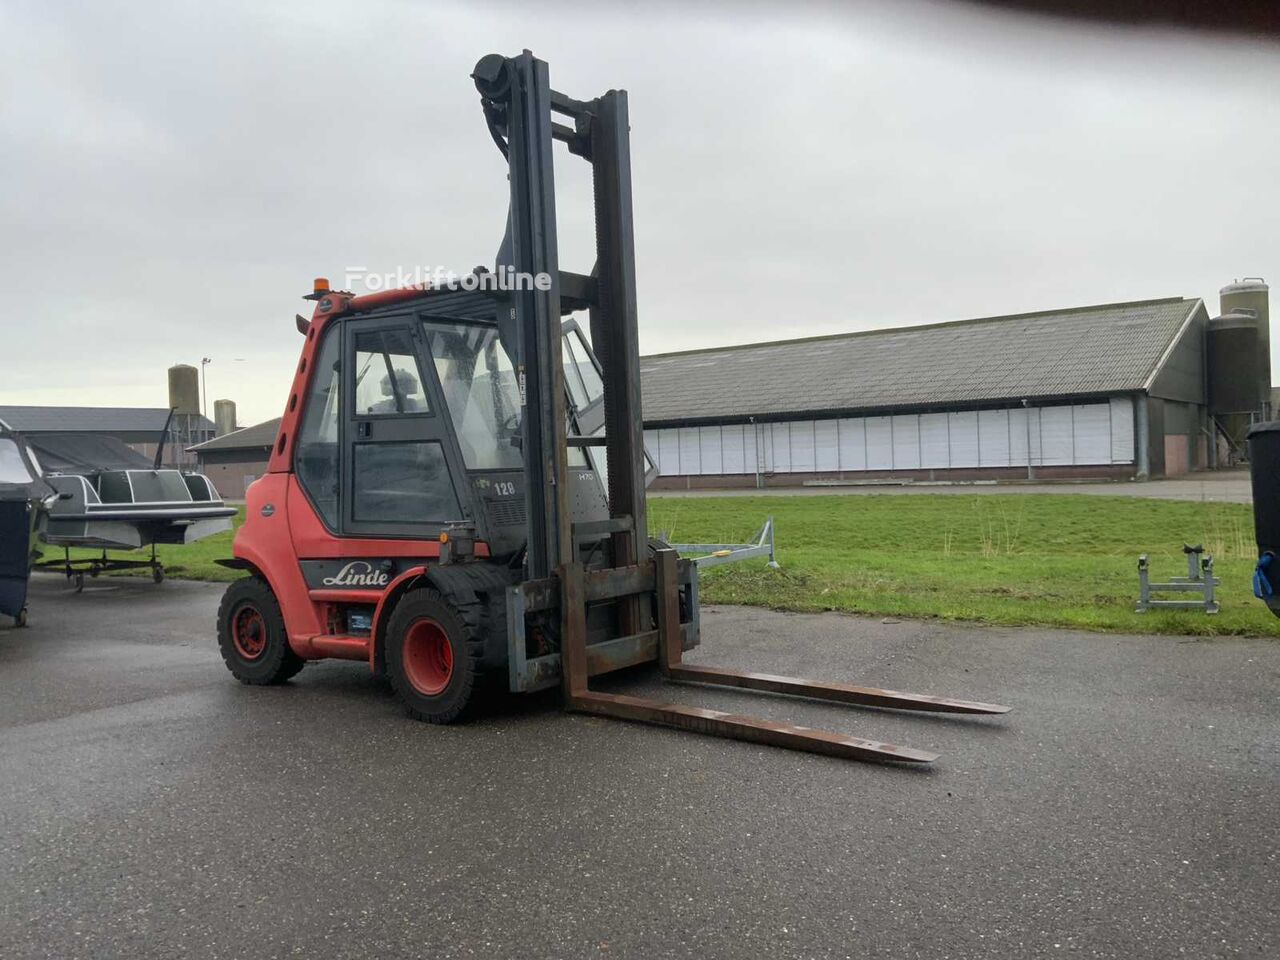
204	389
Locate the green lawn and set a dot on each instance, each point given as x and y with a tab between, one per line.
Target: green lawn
1056	560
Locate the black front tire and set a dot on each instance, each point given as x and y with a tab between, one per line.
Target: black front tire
252	637
429	690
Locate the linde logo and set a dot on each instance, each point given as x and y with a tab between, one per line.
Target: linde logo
357	573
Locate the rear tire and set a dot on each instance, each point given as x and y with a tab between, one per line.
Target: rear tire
252	637
433	657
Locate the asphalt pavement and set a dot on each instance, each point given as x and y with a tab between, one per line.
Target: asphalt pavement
150	806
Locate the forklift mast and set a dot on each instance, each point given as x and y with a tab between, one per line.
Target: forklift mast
644	584
518	104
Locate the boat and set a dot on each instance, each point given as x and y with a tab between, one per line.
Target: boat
110	497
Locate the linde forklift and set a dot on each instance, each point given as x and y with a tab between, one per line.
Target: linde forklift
457	489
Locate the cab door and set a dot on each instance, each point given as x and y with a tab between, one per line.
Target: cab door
399	474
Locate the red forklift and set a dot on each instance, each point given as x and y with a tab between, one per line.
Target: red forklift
458	485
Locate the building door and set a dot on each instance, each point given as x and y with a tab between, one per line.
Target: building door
1176	455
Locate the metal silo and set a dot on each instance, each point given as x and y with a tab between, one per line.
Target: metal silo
224	417
184	390
1251	297
1234	363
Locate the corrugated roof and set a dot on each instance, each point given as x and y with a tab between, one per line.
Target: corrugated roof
1112	348
259	436
89	419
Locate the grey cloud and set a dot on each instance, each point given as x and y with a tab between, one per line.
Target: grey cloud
176	174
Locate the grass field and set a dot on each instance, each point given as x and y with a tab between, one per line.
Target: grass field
1054	560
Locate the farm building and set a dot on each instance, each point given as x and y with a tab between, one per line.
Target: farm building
1117	391
139	427
235	460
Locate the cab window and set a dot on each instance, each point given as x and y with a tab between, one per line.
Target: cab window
316	452
388	381
481	392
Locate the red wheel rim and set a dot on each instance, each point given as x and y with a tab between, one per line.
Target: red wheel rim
428	657
249	632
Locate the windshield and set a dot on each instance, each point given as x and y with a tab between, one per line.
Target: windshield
481	392
12	469
580	374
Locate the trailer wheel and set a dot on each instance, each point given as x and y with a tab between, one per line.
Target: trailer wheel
433	656
251	634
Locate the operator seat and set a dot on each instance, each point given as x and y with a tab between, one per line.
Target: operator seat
410	391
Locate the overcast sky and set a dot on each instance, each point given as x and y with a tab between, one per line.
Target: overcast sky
175	174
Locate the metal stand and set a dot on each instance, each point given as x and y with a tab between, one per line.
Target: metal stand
93	566
714	554
1199	579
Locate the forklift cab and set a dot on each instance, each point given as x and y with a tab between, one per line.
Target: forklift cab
413	424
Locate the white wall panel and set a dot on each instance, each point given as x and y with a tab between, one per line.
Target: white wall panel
752	448
669	453
1087	434
780	447
826	441
935	445
1018	437
1122	440
1055	436
733	454
690	460
1092	423
879	443
963	427
802	446
709	450
906	441
651	446
853	444
993	438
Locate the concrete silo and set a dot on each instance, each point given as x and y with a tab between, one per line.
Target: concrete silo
224	417
184	425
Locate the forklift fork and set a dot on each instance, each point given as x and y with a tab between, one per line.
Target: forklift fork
580	698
